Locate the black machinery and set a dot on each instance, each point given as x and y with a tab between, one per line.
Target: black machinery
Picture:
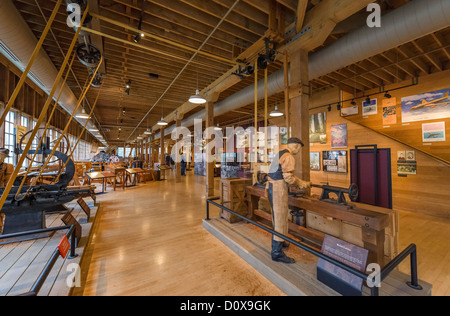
26	211
352	191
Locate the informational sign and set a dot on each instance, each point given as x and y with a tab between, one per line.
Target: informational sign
64	247
338	279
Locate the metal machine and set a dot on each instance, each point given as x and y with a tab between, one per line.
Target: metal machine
26	211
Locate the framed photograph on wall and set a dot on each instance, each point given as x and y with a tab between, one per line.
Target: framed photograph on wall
339	136
335	161
315	162
370	108
318	128
433	132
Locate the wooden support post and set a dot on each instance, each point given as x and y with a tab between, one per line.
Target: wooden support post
177	150
299	115
286	93
161	146
209	165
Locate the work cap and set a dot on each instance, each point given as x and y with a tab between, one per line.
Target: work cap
4	152
295	140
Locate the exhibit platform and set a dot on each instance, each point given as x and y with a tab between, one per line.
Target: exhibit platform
21	263
300	279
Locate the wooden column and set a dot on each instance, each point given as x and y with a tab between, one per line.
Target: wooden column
210	165
299	110
178	149
161	146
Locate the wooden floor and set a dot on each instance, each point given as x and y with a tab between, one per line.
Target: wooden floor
21	263
149	240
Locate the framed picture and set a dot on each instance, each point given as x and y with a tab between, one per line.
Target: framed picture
318	128
426	106
339	136
370	108
401	156
434	132
315	162
335	161
406	168
284	135
410	156
390	111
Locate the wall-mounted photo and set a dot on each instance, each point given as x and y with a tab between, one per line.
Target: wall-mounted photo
426	106
318	128
335	161
433	132
339	136
315	162
390	111
370	108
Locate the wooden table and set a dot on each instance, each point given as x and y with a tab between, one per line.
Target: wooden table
100	176
373	224
136	172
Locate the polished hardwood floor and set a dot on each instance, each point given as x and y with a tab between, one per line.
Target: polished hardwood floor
149	241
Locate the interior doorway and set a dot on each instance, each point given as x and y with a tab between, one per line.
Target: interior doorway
371	171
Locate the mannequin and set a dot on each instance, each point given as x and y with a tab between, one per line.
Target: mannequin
6	169
281	175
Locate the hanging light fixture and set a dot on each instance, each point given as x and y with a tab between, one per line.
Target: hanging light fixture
276	113
162	122
148	132
197	98
83	115
217	128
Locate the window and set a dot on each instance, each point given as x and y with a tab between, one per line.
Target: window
10	136
120	152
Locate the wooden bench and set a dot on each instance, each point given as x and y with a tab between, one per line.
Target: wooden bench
371	223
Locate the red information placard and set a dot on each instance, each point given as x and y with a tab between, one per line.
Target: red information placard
64	247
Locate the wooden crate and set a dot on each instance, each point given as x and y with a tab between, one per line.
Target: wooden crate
353	233
232	195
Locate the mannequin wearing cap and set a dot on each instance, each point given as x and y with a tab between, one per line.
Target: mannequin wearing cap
6	169
281	175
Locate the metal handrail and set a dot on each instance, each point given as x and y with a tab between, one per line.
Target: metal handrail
44	274
383	274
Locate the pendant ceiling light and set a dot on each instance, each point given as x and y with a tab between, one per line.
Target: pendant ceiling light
148	132
83	115
162	122
276	113
197	98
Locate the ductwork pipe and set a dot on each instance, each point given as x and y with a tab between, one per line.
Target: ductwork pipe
17	43
412	21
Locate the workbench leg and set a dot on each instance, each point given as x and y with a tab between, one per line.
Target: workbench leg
374	242
253	202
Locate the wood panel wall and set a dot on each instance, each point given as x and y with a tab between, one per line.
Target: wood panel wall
427	192
408	133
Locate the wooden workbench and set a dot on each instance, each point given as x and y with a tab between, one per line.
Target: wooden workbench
372	224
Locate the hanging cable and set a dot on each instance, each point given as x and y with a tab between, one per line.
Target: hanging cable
41	117
25	73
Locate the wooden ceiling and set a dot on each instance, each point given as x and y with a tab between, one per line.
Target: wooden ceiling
187	25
